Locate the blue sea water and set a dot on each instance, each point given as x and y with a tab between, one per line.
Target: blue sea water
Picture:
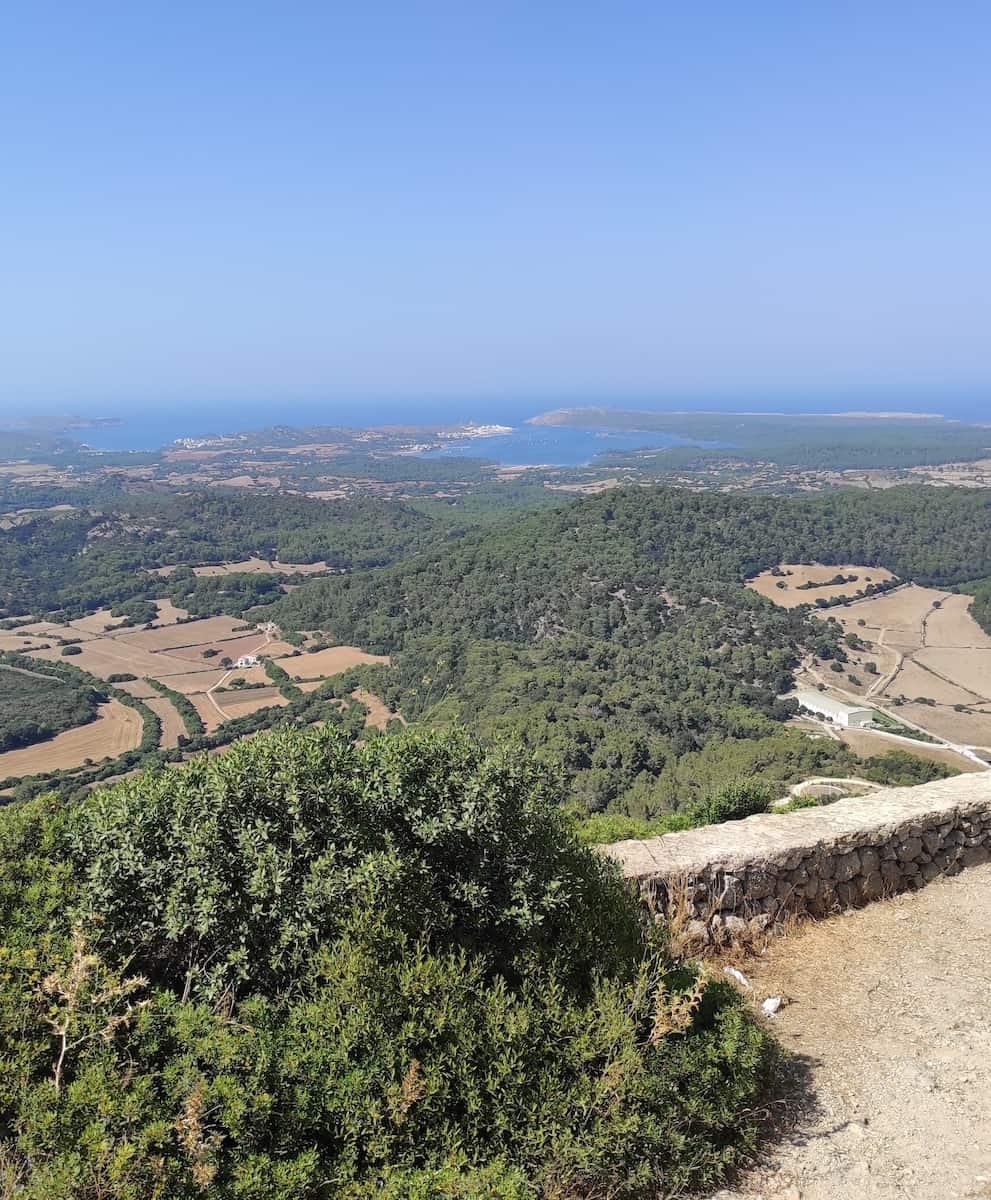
532	445
151	428
525	445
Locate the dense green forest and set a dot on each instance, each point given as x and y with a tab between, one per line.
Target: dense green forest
34	707
615	634
75	562
306	968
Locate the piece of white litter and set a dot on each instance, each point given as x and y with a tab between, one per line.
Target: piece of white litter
739	976
771	1006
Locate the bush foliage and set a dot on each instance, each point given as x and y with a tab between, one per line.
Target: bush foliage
307	969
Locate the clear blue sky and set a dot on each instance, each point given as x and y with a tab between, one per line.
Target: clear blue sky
210	203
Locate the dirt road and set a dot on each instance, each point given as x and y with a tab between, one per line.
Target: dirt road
888	1017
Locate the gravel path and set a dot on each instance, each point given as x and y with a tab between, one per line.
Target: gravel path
888	1015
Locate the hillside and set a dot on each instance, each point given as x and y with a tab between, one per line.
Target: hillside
615	632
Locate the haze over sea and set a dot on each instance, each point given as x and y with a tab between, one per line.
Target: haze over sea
151	428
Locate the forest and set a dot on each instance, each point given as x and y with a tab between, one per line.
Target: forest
34	707
611	633
70	563
615	636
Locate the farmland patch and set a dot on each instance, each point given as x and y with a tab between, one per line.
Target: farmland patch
241	703
792	584
331	661
192	633
379	713
104	657
117	728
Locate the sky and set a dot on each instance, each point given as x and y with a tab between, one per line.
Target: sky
219	204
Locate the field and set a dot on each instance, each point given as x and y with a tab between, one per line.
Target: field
20	644
926	645
251	566
331	661
241	703
379	714
785	588
104	657
193	633
173	726
866	743
117	728
172	652
96	623
168	613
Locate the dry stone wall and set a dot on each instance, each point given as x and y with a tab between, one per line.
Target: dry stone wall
742	877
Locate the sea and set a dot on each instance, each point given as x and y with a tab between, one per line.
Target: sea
524	445
154	427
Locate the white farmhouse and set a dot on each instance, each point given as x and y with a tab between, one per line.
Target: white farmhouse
247	660
833	710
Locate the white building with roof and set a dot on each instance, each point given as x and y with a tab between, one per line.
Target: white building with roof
831	709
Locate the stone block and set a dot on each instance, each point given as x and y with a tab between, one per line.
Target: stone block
870	863
931	840
847	866
759	884
891	873
910	849
973	856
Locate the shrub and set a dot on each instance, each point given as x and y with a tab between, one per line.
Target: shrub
467	846
743	799
378	971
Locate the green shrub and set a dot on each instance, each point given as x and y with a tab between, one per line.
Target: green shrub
743	799
378	971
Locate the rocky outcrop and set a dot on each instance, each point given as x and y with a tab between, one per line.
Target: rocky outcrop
744	876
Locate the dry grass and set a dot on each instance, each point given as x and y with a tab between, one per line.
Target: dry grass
972	729
969	668
196	682
953	626
21	645
913	680
243	703
95	624
117	728
901	611
331	661
173	725
111	656
138	688
250	566
168	613
790	596
211	717
194	633
232	648
379	713
863	741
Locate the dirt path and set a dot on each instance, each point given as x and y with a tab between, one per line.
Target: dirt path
887	1016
